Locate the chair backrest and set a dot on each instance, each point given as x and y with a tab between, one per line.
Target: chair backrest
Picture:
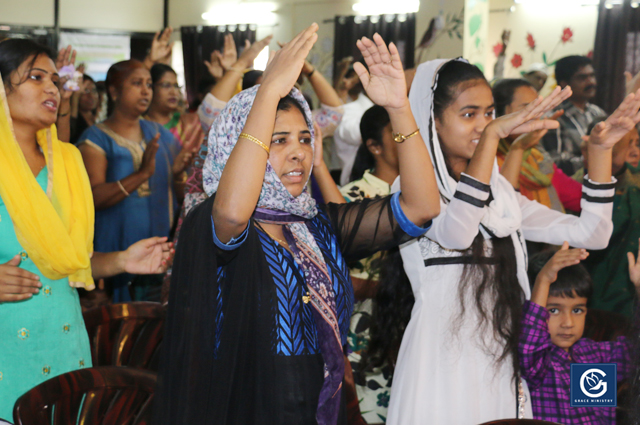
128	334
520	422
106	395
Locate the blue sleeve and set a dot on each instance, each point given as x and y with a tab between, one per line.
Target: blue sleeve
234	243
97	139
406	225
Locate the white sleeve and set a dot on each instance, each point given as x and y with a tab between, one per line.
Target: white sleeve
458	223
348	131
591	230
209	110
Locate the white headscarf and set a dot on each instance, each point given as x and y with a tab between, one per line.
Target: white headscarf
502	216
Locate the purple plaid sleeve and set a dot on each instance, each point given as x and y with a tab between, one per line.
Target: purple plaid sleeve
535	344
618	352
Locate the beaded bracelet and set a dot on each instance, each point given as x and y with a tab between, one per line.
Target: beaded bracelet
254	140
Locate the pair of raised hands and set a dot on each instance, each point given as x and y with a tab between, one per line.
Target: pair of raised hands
384	82
605	134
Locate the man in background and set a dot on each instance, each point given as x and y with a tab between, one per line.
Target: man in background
564	144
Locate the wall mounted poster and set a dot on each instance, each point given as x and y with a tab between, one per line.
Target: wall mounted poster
97	51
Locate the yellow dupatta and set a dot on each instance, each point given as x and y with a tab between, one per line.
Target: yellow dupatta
54	228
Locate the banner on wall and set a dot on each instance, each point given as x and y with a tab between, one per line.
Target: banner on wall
97	51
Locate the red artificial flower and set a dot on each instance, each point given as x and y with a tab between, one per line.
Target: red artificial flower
497	49
516	61
531	42
566	35
590	54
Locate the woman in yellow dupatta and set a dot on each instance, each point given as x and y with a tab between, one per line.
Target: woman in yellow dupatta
46	228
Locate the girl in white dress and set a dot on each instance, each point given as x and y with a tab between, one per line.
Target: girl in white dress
458	354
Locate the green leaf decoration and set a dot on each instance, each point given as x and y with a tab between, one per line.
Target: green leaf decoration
544	58
474	24
479	65
477	42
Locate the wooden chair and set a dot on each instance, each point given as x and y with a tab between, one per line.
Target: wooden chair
128	334
105	395
519	422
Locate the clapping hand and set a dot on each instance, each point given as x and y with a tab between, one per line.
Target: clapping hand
384	83
634	270
609	132
251	52
528	119
193	138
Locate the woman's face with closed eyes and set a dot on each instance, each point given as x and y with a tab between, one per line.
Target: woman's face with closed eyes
291	153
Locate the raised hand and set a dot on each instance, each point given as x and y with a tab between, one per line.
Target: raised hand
285	67
17	284
148	256
527	119
609	132
148	164
565	257
634	270
529	140
161	49
213	65
384	82
251	52
67	57
226	59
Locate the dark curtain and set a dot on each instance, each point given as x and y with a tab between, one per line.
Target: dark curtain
617	49
197	45
400	29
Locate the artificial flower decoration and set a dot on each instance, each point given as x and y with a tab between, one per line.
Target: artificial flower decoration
531	42
567	34
497	49
516	61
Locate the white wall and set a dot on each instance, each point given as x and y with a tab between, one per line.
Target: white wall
27	12
125	15
545	20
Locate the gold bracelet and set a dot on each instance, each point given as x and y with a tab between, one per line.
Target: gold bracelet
122	188
399	137
254	140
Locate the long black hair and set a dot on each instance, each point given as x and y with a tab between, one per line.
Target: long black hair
14	52
491	277
504	90
374	120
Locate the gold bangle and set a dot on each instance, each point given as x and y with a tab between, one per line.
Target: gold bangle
254	140
122	188
399	137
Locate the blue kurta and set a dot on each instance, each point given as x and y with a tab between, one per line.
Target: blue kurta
148	211
40	337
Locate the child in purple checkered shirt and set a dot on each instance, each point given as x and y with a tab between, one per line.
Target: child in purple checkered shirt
551	337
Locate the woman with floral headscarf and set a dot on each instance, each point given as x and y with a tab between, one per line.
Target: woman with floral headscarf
260	297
